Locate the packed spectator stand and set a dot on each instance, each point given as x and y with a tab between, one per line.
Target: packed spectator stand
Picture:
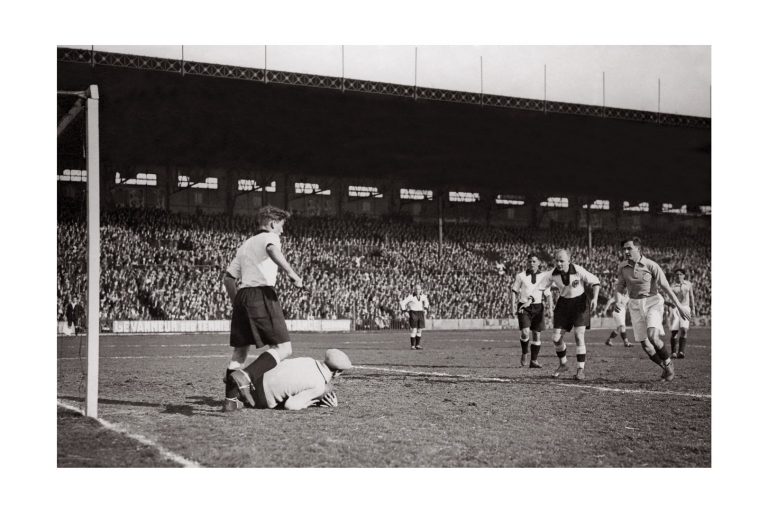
161	265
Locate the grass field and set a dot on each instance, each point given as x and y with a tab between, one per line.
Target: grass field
462	402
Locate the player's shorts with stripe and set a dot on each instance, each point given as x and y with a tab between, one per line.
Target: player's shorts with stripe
416	319
257	318
570	313
531	317
645	313
620	319
676	322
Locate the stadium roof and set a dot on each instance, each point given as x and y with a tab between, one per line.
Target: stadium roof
169	112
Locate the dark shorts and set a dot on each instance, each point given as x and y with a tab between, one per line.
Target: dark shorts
257	318
570	313
416	319
532	317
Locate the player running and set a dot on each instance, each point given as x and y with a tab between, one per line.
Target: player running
527	298
572	310
257	316
415	305
683	290
618	309
642	278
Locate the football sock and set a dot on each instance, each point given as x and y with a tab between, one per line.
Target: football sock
230	389
624	336
561	355
524	346
657	359
418	341
663	355
581	356
260	366
535	351
673	341
612	335
413	341
682	344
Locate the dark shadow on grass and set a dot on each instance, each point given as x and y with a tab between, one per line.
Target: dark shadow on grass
108	401
185	409
206	400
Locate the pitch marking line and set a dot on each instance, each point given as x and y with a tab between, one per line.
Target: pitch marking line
498	379
638	391
175	457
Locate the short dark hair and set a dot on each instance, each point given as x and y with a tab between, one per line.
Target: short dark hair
635	241
679	269
268	214
533	255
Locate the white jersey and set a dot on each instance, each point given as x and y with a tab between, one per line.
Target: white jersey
683	292
620	303
252	265
293	376
572	283
415	303
528	287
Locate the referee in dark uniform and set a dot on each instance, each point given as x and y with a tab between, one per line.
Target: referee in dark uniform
257	316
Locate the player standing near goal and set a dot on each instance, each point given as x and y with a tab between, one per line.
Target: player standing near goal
572	310
683	290
618	309
257	317
528	301
642	279
415	305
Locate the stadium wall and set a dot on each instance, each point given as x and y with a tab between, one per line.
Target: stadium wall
341	325
226	198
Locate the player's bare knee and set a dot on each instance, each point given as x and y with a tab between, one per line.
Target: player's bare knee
240	354
418	332
648	347
283	350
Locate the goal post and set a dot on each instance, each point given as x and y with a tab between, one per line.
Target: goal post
94	252
87	101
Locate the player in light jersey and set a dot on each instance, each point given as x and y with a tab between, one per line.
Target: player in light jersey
294	384
415	306
618	308
683	290
528	301
572	310
642	279
257	316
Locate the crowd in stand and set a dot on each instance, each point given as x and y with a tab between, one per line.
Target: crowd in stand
160	265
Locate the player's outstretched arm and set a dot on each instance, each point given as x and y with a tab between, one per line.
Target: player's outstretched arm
305	398
595	296
230	285
692	302
276	255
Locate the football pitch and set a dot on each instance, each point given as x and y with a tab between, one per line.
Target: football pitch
464	401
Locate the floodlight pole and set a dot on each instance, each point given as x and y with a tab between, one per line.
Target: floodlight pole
92	145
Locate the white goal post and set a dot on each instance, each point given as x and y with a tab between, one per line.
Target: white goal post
91	97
